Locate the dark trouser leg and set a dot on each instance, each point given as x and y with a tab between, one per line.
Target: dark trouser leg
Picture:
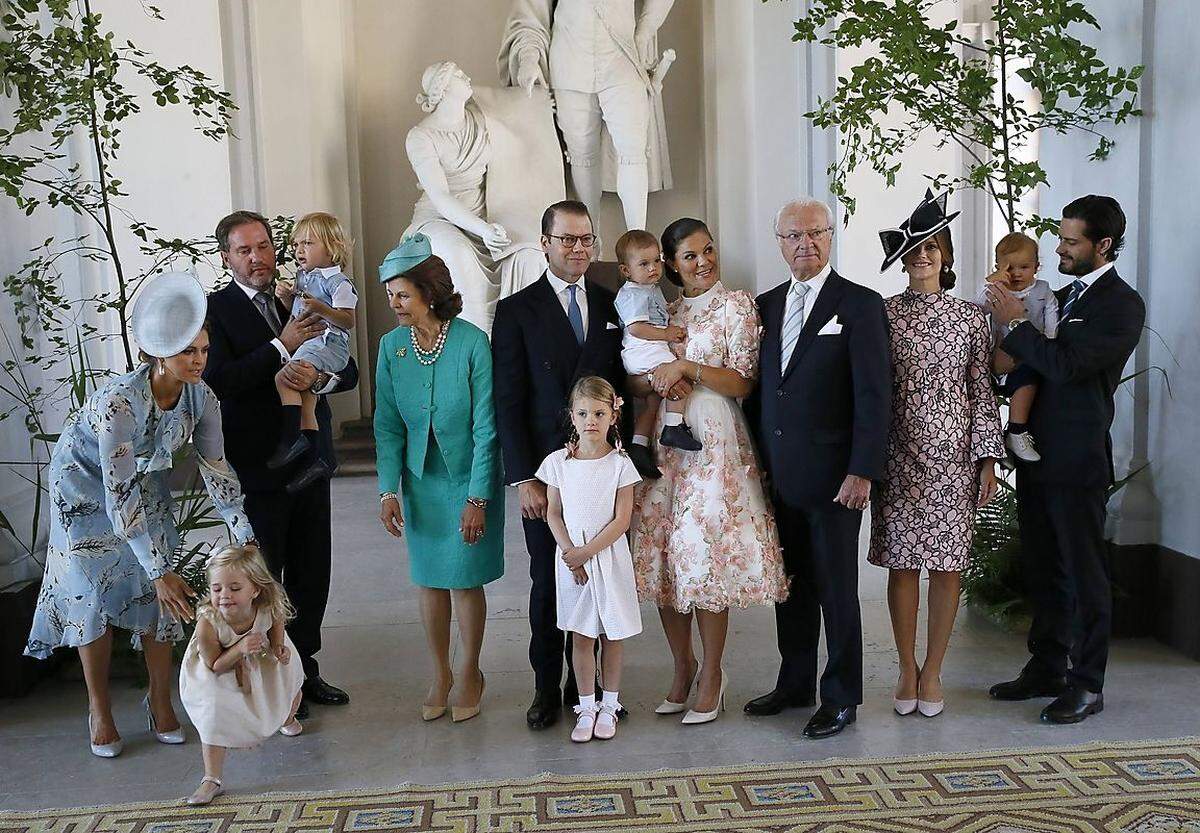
546	641
798	619
835	565
1077	515
310	538
1050	589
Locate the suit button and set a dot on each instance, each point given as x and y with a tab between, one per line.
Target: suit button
426	385
778	432
432	408
779	393
546	365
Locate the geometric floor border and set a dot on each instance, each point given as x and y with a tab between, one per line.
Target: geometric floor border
1127	787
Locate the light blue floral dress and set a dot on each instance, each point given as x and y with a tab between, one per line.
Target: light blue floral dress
111	528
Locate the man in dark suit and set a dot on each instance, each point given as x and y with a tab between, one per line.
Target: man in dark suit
1062	498
544	338
820	416
251	336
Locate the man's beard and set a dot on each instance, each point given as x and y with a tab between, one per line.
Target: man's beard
1080	267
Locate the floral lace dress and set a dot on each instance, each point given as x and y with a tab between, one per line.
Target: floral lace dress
111	528
945	419
703	534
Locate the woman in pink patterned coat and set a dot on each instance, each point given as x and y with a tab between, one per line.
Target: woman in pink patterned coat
943	443
704	537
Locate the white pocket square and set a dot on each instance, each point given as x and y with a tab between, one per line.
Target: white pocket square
611	326
830	329
1073	321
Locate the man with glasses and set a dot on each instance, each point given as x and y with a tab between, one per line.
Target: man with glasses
820	415
544	338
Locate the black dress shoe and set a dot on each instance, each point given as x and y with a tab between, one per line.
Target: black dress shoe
1028	686
545	709
776	701
827	721
324	694
316	470
679	436
643	461
286	454
1073	706
302	711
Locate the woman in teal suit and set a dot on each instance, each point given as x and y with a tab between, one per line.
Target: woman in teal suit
435	435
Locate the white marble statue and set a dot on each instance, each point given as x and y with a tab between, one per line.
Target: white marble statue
470	139
600	59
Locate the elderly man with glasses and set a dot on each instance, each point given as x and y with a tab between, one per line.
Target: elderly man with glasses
820	416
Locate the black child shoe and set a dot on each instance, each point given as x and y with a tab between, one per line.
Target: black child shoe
679	436
643	461
318	469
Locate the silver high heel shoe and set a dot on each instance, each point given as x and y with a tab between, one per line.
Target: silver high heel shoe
103	750
173	737
694	717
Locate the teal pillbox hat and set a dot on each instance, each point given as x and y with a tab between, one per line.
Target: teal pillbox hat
408	253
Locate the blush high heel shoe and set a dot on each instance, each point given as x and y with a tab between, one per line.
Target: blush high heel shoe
931	708
670	706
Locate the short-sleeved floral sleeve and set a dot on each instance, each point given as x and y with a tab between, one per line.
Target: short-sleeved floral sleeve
743	332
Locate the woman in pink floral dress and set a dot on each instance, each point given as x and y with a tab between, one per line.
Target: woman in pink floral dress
943	443
704	538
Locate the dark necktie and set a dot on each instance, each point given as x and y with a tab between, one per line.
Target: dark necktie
265	305
574	314
1077	287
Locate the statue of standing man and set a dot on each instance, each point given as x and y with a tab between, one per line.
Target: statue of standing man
600	58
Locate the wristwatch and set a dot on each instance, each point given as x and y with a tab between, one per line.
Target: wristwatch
1016	321
478	502
325	383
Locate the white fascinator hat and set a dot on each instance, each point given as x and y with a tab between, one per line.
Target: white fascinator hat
168	313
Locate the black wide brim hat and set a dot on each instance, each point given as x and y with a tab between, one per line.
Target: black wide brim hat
927	219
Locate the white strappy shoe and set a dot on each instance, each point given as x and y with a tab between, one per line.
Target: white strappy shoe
203	795
606	721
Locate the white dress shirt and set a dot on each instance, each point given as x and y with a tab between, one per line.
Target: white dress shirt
251	293
814	285
1090	278
562	291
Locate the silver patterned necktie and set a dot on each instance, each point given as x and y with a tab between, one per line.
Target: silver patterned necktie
1077	287
263	301
793	321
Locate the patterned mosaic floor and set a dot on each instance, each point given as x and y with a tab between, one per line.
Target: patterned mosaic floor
1147	787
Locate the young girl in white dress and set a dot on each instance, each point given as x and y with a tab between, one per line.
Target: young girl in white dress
238	681
590	493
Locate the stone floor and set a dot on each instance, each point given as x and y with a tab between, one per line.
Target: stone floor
374	647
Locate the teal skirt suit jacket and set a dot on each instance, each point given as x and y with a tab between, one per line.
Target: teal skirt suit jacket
436	445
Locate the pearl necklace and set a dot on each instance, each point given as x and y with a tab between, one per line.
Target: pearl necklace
428	357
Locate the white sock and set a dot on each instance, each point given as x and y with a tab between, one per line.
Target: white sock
672	419
609	697
587	701
641	439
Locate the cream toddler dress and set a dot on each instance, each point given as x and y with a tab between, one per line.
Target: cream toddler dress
608	603
226	714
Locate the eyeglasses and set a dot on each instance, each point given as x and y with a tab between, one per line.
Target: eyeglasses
813	234
569	240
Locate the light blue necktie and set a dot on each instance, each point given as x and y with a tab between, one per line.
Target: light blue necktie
1077	287
793	322
574	314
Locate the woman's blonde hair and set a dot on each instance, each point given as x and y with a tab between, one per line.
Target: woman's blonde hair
328	232
248	558
599	389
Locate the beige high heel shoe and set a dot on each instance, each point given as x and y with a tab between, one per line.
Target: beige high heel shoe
429	713
670	706
460	713
694	717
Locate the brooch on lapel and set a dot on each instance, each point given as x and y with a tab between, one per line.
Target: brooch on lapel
402	352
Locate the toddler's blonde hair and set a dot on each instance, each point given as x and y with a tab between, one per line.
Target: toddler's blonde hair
599	389
328	232
248	558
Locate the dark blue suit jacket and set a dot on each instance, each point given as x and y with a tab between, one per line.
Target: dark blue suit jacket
826	414
1080	369
535	362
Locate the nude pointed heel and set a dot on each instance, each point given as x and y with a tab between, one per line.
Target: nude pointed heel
429	713
460	713
694	717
